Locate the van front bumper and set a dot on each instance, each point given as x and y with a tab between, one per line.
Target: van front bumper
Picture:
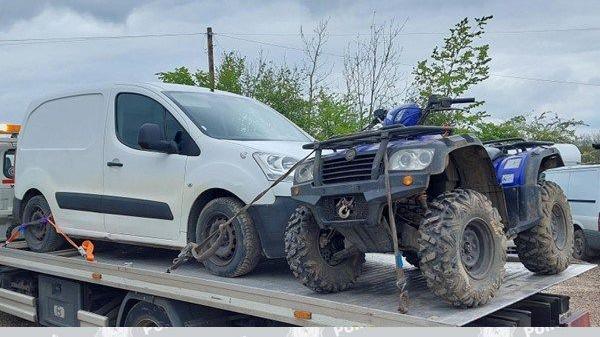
270	222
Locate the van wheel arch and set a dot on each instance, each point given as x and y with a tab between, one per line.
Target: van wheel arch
32	192
199	204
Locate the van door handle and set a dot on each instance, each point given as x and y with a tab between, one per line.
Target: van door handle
114	164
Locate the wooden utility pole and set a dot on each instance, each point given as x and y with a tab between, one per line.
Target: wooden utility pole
211	60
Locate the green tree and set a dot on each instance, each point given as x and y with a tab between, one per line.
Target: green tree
334	116
585	143
452	70
545	126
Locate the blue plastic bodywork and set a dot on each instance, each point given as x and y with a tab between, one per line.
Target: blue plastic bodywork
406	114
510	169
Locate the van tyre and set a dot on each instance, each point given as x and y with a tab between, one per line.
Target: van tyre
40	238
581	251
312	264
547	248
462	248
241	251
147	315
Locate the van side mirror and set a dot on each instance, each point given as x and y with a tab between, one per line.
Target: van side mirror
151	137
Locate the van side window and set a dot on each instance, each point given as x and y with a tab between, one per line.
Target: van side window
8	167
134	110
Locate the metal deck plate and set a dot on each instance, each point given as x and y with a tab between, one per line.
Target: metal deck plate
374	292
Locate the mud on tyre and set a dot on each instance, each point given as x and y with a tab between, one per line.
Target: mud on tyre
547	248
240	252
462	248
309	251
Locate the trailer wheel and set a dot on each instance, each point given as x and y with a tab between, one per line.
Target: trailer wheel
309	251
581	251
41	238
547	248
147	315
462	248
241	251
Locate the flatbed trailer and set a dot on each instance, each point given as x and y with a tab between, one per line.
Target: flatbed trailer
63	289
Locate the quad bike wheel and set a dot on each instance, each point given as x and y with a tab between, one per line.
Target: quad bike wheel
40	238
309	251
547	248
240	251
462	248
581	251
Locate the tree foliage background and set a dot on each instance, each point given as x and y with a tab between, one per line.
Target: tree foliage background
372	76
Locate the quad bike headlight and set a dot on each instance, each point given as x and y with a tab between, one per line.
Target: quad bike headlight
411	159
304	172
274	165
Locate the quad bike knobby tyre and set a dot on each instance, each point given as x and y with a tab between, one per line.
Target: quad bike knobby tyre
309	250
462	248
547	248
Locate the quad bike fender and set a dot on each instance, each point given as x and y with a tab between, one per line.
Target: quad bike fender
519	176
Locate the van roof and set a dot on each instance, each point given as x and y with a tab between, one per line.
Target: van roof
576	167
154	86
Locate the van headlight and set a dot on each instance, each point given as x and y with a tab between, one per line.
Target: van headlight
304	172
411	159
274	165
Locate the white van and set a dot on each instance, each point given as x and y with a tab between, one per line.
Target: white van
581	184
157	164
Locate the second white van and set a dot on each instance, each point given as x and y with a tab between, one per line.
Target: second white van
160	165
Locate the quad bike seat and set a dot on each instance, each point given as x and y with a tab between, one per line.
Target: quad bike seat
493	152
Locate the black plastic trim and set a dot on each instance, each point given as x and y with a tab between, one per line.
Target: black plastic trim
106	204
585	201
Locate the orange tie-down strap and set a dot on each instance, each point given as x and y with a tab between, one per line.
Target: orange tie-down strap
86	249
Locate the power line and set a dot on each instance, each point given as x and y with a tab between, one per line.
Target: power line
11	42
230	34
535	79
14	42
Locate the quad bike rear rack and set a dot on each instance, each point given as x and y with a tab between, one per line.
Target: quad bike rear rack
515	144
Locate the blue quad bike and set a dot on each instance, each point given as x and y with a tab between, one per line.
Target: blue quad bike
455	202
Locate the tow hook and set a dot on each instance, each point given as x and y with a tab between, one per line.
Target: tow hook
345	206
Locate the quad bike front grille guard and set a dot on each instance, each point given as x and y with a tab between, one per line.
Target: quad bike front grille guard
382	136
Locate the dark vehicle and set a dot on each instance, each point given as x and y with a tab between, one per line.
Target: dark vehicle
455	201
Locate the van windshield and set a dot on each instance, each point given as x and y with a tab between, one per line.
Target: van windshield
235	118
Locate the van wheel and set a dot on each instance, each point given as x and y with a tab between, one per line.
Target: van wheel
41	238
240	251
147	315
581	251
547	248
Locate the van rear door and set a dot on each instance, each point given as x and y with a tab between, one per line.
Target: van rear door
584	184
143	190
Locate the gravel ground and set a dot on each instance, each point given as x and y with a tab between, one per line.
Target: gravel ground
584	291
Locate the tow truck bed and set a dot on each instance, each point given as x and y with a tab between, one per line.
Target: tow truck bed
271	292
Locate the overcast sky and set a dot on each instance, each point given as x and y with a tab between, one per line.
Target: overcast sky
31	70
